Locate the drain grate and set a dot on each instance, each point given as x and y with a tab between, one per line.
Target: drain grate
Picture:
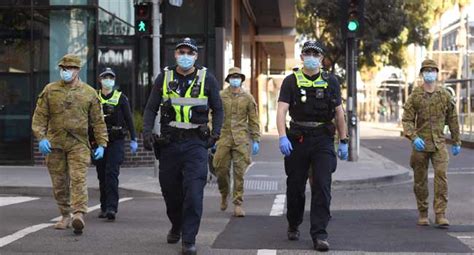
254	185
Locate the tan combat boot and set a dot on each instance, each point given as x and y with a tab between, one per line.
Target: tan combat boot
78	223
423	219
238	211
223	203
63	223
441	220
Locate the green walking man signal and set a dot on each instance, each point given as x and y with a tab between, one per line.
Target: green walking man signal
143	19
141	26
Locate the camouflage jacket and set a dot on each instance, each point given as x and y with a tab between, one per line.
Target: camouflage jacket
240	117
62	110
426	115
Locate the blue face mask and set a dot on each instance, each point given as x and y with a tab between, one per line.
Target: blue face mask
430	77
235	82
108	83
185	61
66	75
311	63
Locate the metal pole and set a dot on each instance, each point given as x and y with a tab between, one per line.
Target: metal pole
156	63
351	67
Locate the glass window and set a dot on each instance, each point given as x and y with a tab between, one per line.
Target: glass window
123	9
72	31
64	2
110	24
15	3
185	20
15	86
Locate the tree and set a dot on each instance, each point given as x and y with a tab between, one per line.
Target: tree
389	26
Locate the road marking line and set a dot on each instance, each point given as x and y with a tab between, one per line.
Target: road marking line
278	205
266	252
250	166
4	201
22	233
465	237
95	207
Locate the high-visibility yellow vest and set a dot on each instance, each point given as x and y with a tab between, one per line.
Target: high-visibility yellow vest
113	100
182	105
302	81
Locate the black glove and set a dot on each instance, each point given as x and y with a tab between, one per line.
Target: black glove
148	141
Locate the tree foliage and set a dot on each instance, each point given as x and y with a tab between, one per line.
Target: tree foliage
389	26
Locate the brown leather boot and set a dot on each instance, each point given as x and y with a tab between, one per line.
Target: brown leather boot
239	211
223	203
423	219
78	223
63	223
441	220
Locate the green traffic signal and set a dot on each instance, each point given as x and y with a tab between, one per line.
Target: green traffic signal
141	26
353	25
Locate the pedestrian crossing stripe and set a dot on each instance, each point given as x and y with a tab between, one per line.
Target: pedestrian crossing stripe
4	201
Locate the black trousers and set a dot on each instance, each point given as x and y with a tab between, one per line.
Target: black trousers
183	174
108	170
315	152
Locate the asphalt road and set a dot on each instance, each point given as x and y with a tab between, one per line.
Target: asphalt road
378	219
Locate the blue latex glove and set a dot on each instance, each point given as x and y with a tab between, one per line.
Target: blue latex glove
343	151
99	153
133	146
255	148
419	144
456	149
214	148
45	146
285	146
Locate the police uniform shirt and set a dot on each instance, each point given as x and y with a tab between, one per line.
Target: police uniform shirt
123	114
211	90
289	88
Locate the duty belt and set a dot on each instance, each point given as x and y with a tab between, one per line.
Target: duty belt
310	124
183	125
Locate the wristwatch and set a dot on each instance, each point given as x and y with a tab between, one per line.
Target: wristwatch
344	141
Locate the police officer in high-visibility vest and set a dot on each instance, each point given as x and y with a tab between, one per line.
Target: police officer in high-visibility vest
185	94
313	98
118	118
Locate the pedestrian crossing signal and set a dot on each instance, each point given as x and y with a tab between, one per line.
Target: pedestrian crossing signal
143	19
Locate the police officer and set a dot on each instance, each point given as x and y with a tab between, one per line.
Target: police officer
240	124
426	112
185	94
63	113
313	98
118	118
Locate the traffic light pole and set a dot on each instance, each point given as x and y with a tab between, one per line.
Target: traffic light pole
352	120
156	36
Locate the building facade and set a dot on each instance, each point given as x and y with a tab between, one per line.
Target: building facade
256	35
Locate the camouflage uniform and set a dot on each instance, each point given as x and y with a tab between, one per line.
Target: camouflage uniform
62	115
425	116
240	124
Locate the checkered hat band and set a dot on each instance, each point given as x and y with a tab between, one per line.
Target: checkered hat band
313	47
187	44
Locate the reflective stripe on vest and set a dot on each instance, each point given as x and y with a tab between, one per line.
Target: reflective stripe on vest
302	81
114	100
182	105
183	125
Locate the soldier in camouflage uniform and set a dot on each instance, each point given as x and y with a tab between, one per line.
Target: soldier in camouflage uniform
64	111
240	125
426	112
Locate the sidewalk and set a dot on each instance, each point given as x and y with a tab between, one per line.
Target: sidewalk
372	169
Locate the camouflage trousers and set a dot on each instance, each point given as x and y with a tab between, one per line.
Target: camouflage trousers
419	162
239	157
68	171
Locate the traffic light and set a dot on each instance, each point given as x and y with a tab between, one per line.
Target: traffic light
143	19
353	16
352	12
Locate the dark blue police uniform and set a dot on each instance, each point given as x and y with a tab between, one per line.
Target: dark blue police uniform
182	147
311	133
